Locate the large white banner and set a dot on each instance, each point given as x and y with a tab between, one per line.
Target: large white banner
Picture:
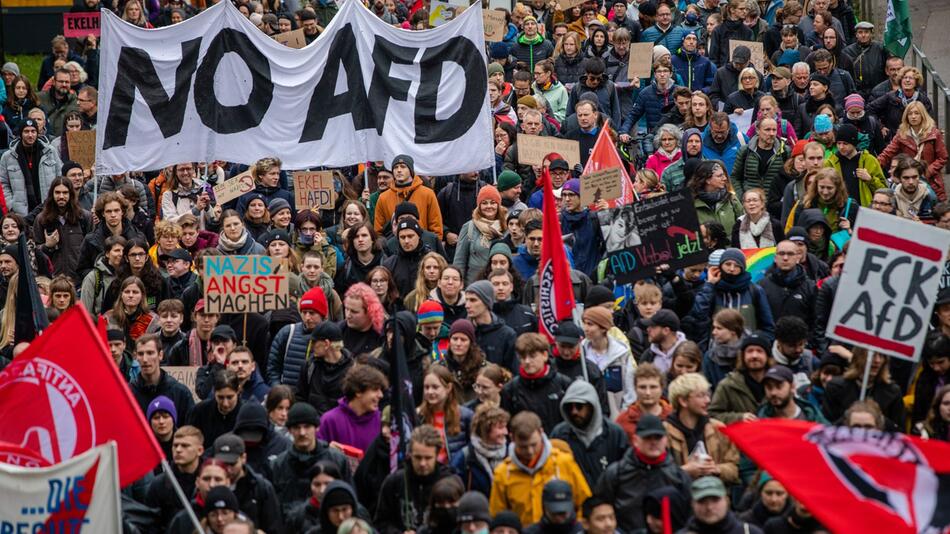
215	87
80	494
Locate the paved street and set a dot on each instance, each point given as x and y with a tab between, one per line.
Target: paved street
931	19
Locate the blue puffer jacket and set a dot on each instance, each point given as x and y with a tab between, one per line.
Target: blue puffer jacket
459	441
672	40
287	359
650	103
588	240
751	302
726	152
696	71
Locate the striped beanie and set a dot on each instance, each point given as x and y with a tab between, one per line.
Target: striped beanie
430	311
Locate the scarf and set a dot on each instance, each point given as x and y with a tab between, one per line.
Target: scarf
195	349
488	456
907	99
724	354
734	283
540	374
232	246
650	461
756	388
781	358
691	435
711	198
489	230
538	462
907	204
749	231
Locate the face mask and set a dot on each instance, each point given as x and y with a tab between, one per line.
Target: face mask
444	517
305	239
692	18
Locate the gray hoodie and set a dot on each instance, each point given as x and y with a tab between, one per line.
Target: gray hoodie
583	392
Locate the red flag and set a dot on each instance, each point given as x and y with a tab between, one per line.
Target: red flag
854	480
556	291
102	326
604	156
65	395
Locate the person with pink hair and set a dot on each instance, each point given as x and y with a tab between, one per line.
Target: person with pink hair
363	320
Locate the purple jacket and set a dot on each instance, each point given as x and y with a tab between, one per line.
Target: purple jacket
342	425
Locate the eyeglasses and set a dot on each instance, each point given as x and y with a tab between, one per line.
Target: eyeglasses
137	254
378	281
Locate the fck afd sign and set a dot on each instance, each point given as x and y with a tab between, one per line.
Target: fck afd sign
889	284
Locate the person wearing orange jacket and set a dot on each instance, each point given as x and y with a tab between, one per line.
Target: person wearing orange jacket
407	187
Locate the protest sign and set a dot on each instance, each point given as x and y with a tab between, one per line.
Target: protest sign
758	53
533	148
504	4
244	284
79	494
82	147
600	185
640	64
668	230
567	5
231	189
185	374
314	190
293	38
889	284
444	11
81	25
495	25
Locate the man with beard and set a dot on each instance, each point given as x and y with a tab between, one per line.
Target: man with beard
310	25
61	226
57	102
781	401
840	83
595	440
27	170
570	362
914	201
320	382
711	511
532	123
738	396
557	505
405	264
787	287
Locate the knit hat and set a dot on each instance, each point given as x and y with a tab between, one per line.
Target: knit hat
822	123
326	331
573	185
314	300
799	147
507	180
847	133
495	68
741	54
598	295
405	208
648	8
276	235
162	403
220	498
114	334
484	291
789	57
68	166
782	72
29	123
409	224
507	518
276	205
820	78
715	258
473	506
797	234
302	413
306	14
660	51
489	192
338	493
405	160
529	101
599	316
10	66
499	248
430	311
529	17
853	100
754	341
463	326
733	254
499	50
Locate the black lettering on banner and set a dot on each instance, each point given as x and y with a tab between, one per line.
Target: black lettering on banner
463	52
324	105
233	119
135	71
383	87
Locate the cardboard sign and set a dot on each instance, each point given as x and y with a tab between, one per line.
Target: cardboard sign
81	25
244	284
185	374
758	53
533	148
668	230
889	284
293	38
640	62
495	25
443	11
567	5
504	4
231	189
314	190
601	185
82	147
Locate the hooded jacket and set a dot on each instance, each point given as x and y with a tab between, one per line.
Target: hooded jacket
569	69
253	416
732	399
695	69
336	486
404	266
457	202
791	293
288	472
345	426
532	51
518	488
868	162
321	383
745	171
617	366
588	239
430	216
403	492
651	103
14	181
600	443
539	395
725	151
673	176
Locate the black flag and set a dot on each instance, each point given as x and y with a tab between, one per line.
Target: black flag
402	413
30	313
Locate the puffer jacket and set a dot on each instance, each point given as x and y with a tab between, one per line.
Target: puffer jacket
651	103
288	472
497	341
696	70
288	354
539	395
13	180
569	69
726	212
751	302
672	38
727	151
745	172
430	216
790	293
723	452
732	399
734	30
588	239
531	51
518	488
598	445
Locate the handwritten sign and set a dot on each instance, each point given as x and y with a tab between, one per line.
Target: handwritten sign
185	374
758	53
495	25
293	38
533	148
640	64
601	185
80	25
244	284
231	189
668	229
314	190
82	147
443	11
567	5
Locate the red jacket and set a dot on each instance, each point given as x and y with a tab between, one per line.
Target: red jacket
932	151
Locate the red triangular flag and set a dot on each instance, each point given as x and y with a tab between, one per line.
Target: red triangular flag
102	326
854	480
65	395
556	293
604	156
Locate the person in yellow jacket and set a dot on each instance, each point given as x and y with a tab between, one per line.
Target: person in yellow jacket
407	187
532	461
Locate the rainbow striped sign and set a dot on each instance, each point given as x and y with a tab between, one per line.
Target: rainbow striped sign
758	261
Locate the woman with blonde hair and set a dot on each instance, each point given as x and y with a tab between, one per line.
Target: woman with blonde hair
134	13
266	173
647	184
768	107
488	223
427	279
569	59
919	137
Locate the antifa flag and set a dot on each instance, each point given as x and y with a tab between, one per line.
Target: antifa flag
854	480
401	411
64	395
604	156
556	293
30	313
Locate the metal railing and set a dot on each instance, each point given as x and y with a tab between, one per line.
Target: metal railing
935	88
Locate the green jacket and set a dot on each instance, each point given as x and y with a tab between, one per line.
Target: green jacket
745	171
673	178
732	399
726	212
868	162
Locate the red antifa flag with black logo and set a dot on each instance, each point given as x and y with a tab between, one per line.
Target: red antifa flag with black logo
854	480
555	291
65	395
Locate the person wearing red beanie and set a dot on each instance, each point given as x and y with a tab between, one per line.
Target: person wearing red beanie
288	350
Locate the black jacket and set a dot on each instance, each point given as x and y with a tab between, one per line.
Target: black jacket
321	383
790	293
404	266
719	40
729	525
790	105
167	385
606	448
360	342
570	69
403	488
258	501
841	393
516	315
94	243
288	472
540	395
628	480
161	495
211	422
369	475
868	66
823	301
573	370
497	341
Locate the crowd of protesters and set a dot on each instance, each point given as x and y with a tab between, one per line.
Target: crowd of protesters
613	427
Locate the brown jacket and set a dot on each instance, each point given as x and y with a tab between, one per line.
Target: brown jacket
723	452
430	216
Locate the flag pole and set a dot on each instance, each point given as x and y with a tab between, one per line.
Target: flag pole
181	494
867	375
